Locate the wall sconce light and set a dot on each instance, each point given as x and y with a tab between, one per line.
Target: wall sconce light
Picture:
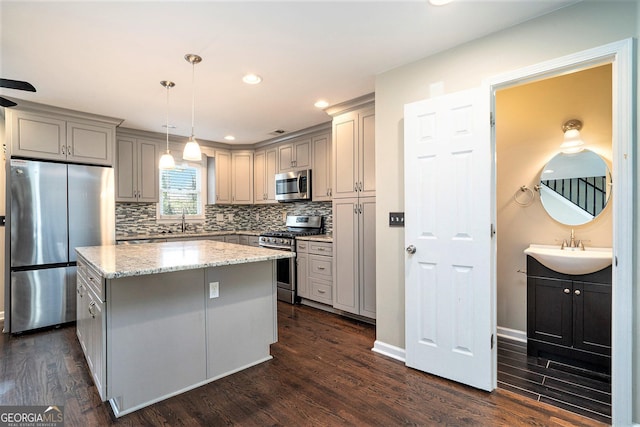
572	143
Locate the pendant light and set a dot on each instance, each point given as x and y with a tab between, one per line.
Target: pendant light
192	148
166	161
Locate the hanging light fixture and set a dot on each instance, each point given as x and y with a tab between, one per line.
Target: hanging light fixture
572	142
166	161
192	148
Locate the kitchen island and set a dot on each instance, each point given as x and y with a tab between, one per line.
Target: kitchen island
158	319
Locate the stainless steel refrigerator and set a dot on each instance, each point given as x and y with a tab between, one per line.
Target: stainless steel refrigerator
54	208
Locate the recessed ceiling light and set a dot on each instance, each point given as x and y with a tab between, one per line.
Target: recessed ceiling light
321	104
439	2
230	138
252	79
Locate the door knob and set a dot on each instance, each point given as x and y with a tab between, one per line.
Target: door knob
567	291
411	249
577	292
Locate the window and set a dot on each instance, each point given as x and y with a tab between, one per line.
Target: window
181	191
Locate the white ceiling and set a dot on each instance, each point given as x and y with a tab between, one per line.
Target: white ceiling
109	57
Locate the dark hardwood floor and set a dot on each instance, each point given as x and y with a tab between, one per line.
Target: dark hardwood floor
323	373
578	390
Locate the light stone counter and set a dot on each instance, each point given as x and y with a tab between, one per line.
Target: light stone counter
198	235
115	261
317	238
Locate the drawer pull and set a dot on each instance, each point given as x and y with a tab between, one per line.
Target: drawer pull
320	268
322	291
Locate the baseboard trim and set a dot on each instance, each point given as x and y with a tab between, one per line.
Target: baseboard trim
512	334
389	350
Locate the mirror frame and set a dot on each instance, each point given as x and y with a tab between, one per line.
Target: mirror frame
579	197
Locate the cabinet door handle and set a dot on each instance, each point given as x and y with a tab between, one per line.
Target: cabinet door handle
577	292
355	186
567	290
63	149
69	151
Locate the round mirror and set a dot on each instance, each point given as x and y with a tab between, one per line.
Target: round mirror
575	188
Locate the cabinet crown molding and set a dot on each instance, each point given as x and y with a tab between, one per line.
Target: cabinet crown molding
34	107
353	104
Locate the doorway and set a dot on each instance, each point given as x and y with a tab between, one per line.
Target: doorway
619	56
529	119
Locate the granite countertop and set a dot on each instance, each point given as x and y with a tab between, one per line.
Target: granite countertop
114	261
168	236
317	238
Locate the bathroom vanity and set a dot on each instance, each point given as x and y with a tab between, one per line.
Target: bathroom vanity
569	316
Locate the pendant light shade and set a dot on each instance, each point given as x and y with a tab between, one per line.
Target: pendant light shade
192	148
167	161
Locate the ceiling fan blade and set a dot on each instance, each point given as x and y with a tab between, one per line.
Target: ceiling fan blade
4	102
17	84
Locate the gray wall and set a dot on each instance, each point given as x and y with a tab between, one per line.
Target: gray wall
582	26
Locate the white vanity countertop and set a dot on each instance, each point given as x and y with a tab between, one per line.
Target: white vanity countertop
317	238
114	261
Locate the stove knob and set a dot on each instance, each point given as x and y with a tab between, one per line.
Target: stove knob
281	240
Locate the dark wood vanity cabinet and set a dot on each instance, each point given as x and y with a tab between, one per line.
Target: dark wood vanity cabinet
569	316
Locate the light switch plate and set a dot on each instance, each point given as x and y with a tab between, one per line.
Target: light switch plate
396	219
214	289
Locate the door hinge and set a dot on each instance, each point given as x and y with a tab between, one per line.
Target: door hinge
492	121
491	341
492	231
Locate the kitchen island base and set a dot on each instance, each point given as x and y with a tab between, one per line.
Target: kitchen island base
169	332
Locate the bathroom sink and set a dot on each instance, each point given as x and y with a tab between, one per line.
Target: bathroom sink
571	261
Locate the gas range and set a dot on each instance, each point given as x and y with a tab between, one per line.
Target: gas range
285	240
297	226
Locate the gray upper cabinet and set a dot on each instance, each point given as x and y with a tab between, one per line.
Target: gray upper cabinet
242	177
57	137
136	170
321	170
223	176
265	167
354	154
294	155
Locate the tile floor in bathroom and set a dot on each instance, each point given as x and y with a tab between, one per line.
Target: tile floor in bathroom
577	390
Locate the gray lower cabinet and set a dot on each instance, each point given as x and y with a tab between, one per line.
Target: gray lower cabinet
158	335
244	239
354	249
90	323
315	270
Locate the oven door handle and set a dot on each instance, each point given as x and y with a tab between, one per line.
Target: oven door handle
299	182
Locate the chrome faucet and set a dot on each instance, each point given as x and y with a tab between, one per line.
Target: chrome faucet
573	243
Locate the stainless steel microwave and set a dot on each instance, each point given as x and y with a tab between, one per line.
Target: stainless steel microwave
291	186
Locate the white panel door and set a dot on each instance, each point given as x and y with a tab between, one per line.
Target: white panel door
448	289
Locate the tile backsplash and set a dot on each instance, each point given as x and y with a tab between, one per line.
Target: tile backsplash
140	218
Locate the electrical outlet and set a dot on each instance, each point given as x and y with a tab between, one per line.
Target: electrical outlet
230	216
284	216
219	218
214	289
396	219
257	217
